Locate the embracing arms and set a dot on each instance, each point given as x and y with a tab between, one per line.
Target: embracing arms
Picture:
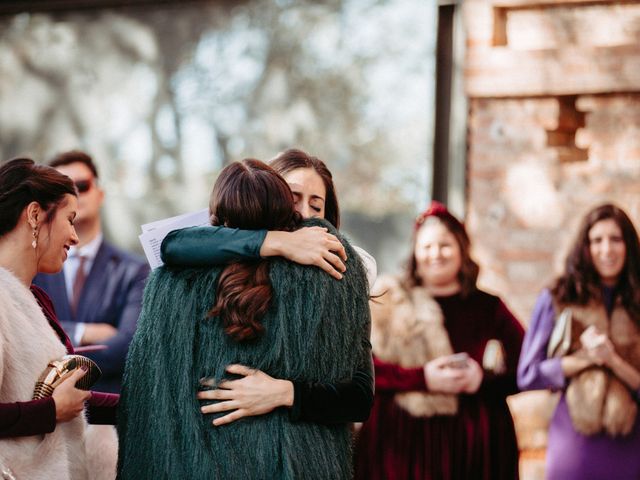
257	393
214	245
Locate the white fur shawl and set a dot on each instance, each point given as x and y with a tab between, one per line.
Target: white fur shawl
27	344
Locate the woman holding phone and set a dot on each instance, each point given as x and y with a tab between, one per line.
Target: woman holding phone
445	356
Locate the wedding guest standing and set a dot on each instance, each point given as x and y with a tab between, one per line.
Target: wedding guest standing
594	431
48	437
445	356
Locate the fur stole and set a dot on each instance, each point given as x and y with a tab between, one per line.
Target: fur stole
27	344
407	329
597	400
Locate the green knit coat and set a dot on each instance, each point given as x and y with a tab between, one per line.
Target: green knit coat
313	332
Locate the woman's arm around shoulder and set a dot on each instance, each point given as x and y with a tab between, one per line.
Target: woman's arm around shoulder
210	245
217	245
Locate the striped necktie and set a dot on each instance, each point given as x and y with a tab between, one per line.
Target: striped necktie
78	283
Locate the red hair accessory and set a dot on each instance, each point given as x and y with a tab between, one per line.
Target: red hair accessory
438	210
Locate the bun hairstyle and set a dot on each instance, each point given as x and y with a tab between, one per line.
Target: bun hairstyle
248	195
22	181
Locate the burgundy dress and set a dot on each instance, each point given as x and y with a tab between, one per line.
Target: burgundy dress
477	443
39	416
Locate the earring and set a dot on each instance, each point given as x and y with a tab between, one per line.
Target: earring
34	244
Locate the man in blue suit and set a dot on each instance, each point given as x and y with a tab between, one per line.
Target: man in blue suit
98	294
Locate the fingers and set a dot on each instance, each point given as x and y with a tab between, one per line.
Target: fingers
219	407
336	246
77	374
218	394
239	370
327	267
336	261
439	362
232	417
333	244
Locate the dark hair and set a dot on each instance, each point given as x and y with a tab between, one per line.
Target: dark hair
74	156
581	281
468	274
22	181
248	195
293	159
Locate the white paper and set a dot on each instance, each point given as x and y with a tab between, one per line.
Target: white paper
153	233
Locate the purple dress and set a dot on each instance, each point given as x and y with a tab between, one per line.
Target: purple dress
571	455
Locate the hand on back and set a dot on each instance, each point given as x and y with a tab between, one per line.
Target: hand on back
308	246
256	393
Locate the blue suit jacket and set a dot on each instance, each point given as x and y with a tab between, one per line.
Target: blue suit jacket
112	294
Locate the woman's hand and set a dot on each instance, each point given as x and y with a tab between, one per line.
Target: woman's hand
597	346
307	246
473	376
68	399
601	351
255	394
441	377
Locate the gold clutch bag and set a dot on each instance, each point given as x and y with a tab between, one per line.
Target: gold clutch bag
59	370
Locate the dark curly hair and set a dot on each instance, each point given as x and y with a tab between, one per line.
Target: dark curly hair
581	281
249	195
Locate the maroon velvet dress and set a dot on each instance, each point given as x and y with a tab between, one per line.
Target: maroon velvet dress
477	443
37	417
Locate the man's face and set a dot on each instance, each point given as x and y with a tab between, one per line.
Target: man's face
90	196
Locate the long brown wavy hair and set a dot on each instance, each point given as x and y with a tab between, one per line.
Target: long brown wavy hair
293	159
249	195
580	281
469	269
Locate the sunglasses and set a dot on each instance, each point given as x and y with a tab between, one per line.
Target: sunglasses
83	186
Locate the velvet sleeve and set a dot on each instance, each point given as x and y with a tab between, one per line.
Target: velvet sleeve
102	408
535	370
347	401
510	333
20	419
210	246
391	378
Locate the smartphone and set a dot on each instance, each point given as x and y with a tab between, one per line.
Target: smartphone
458	360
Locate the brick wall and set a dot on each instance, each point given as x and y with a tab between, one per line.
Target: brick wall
554	129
